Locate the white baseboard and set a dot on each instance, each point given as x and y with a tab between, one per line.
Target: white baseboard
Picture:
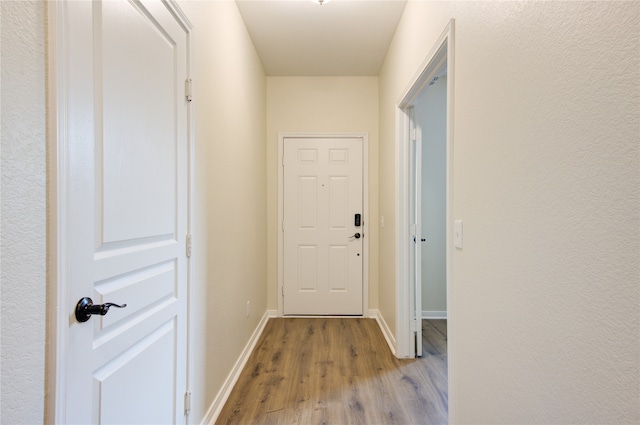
386	332
427	314
223	395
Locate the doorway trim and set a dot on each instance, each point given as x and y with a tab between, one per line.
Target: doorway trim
365	212
443	50
58	178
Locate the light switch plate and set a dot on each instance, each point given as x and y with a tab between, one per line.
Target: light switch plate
457	233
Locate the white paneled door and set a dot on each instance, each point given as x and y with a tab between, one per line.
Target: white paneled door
123	108
323	243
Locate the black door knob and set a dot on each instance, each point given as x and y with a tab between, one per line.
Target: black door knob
357	236
85	308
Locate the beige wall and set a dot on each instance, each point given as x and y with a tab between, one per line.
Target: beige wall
23	224
321	104
230	265
544	303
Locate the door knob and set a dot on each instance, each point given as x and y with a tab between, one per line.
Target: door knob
357	236
85	308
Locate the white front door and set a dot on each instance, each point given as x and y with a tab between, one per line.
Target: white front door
125	167
323	245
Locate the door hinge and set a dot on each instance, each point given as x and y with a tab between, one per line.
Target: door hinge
413	134
187	403
187	89
189	245
414	325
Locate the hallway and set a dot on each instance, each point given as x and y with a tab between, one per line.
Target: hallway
545	164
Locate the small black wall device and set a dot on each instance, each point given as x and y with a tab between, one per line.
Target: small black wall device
357	220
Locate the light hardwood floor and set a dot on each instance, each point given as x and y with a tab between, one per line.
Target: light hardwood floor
339	371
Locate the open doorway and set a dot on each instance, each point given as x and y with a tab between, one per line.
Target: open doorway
425	130
429	202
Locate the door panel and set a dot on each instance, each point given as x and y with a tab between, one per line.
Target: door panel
307	268
135	288
139	126
322	193
139	360
307	202
338	268
128	211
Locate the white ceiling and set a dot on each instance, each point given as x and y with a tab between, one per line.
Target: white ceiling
343	37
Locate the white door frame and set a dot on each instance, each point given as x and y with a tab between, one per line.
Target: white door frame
441	51
58	308
365	212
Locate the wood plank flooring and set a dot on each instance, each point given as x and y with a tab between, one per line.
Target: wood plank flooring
339	371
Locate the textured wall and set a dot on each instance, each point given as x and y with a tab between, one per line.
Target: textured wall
321	104
544	312
23	206
230	233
